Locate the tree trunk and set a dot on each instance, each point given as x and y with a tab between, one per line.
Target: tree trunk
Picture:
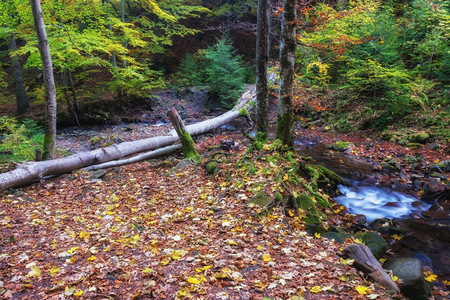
285	114
122	18
186	140
49	81
21	94
29	171
262	61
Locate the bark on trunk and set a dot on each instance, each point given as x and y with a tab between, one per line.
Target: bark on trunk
186	139
262	61
21	94
285	114
49	81
29	171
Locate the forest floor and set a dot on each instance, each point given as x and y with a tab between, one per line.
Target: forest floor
158	229
151	230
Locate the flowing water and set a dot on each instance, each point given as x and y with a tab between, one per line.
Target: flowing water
378	202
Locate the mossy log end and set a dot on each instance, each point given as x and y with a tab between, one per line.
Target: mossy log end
187	143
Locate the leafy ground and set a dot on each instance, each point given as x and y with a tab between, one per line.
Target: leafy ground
151	231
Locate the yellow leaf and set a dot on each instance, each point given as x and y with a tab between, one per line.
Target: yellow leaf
73	249
184	292
232	242
396	237
260	247
92	258
194	280
147	270
78	293
363	290
165	261
446	282
203	269
134	239
84	235
73	259
53	270
266	258
35	272
286	177
316	289
317	235
430	277
178	254
393	277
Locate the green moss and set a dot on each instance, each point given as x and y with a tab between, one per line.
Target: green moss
340	146
211	167
243	112
188	147
420	138
331	175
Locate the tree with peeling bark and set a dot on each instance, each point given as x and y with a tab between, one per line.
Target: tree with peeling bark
49	81
285	114
262	60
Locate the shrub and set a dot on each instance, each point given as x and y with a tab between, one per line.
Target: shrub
19	141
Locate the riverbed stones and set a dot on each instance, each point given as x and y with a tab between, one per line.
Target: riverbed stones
376	244
410	271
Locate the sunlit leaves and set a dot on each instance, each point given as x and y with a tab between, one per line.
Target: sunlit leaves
54	270
430	277
35	272
363	290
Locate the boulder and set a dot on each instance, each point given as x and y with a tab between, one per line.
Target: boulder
340	146
410	271
420	137
376	244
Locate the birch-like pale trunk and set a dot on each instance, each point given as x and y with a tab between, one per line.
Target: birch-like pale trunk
49	81
285	114
29	171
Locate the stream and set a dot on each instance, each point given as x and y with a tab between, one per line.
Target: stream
426	238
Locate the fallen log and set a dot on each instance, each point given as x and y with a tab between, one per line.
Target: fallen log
366	262
148	155
29	171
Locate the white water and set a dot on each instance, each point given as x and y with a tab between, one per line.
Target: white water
378	202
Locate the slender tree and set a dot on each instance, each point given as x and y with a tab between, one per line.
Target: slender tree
285	114
21	94
262	60
49	81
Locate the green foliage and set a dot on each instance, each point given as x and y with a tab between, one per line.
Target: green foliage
191	71
225	73
388	55
218	67
19	140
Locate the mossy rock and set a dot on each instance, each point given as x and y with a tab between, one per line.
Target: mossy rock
420	138
95	140
211	167
340	146
374	242
336	236
410	271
